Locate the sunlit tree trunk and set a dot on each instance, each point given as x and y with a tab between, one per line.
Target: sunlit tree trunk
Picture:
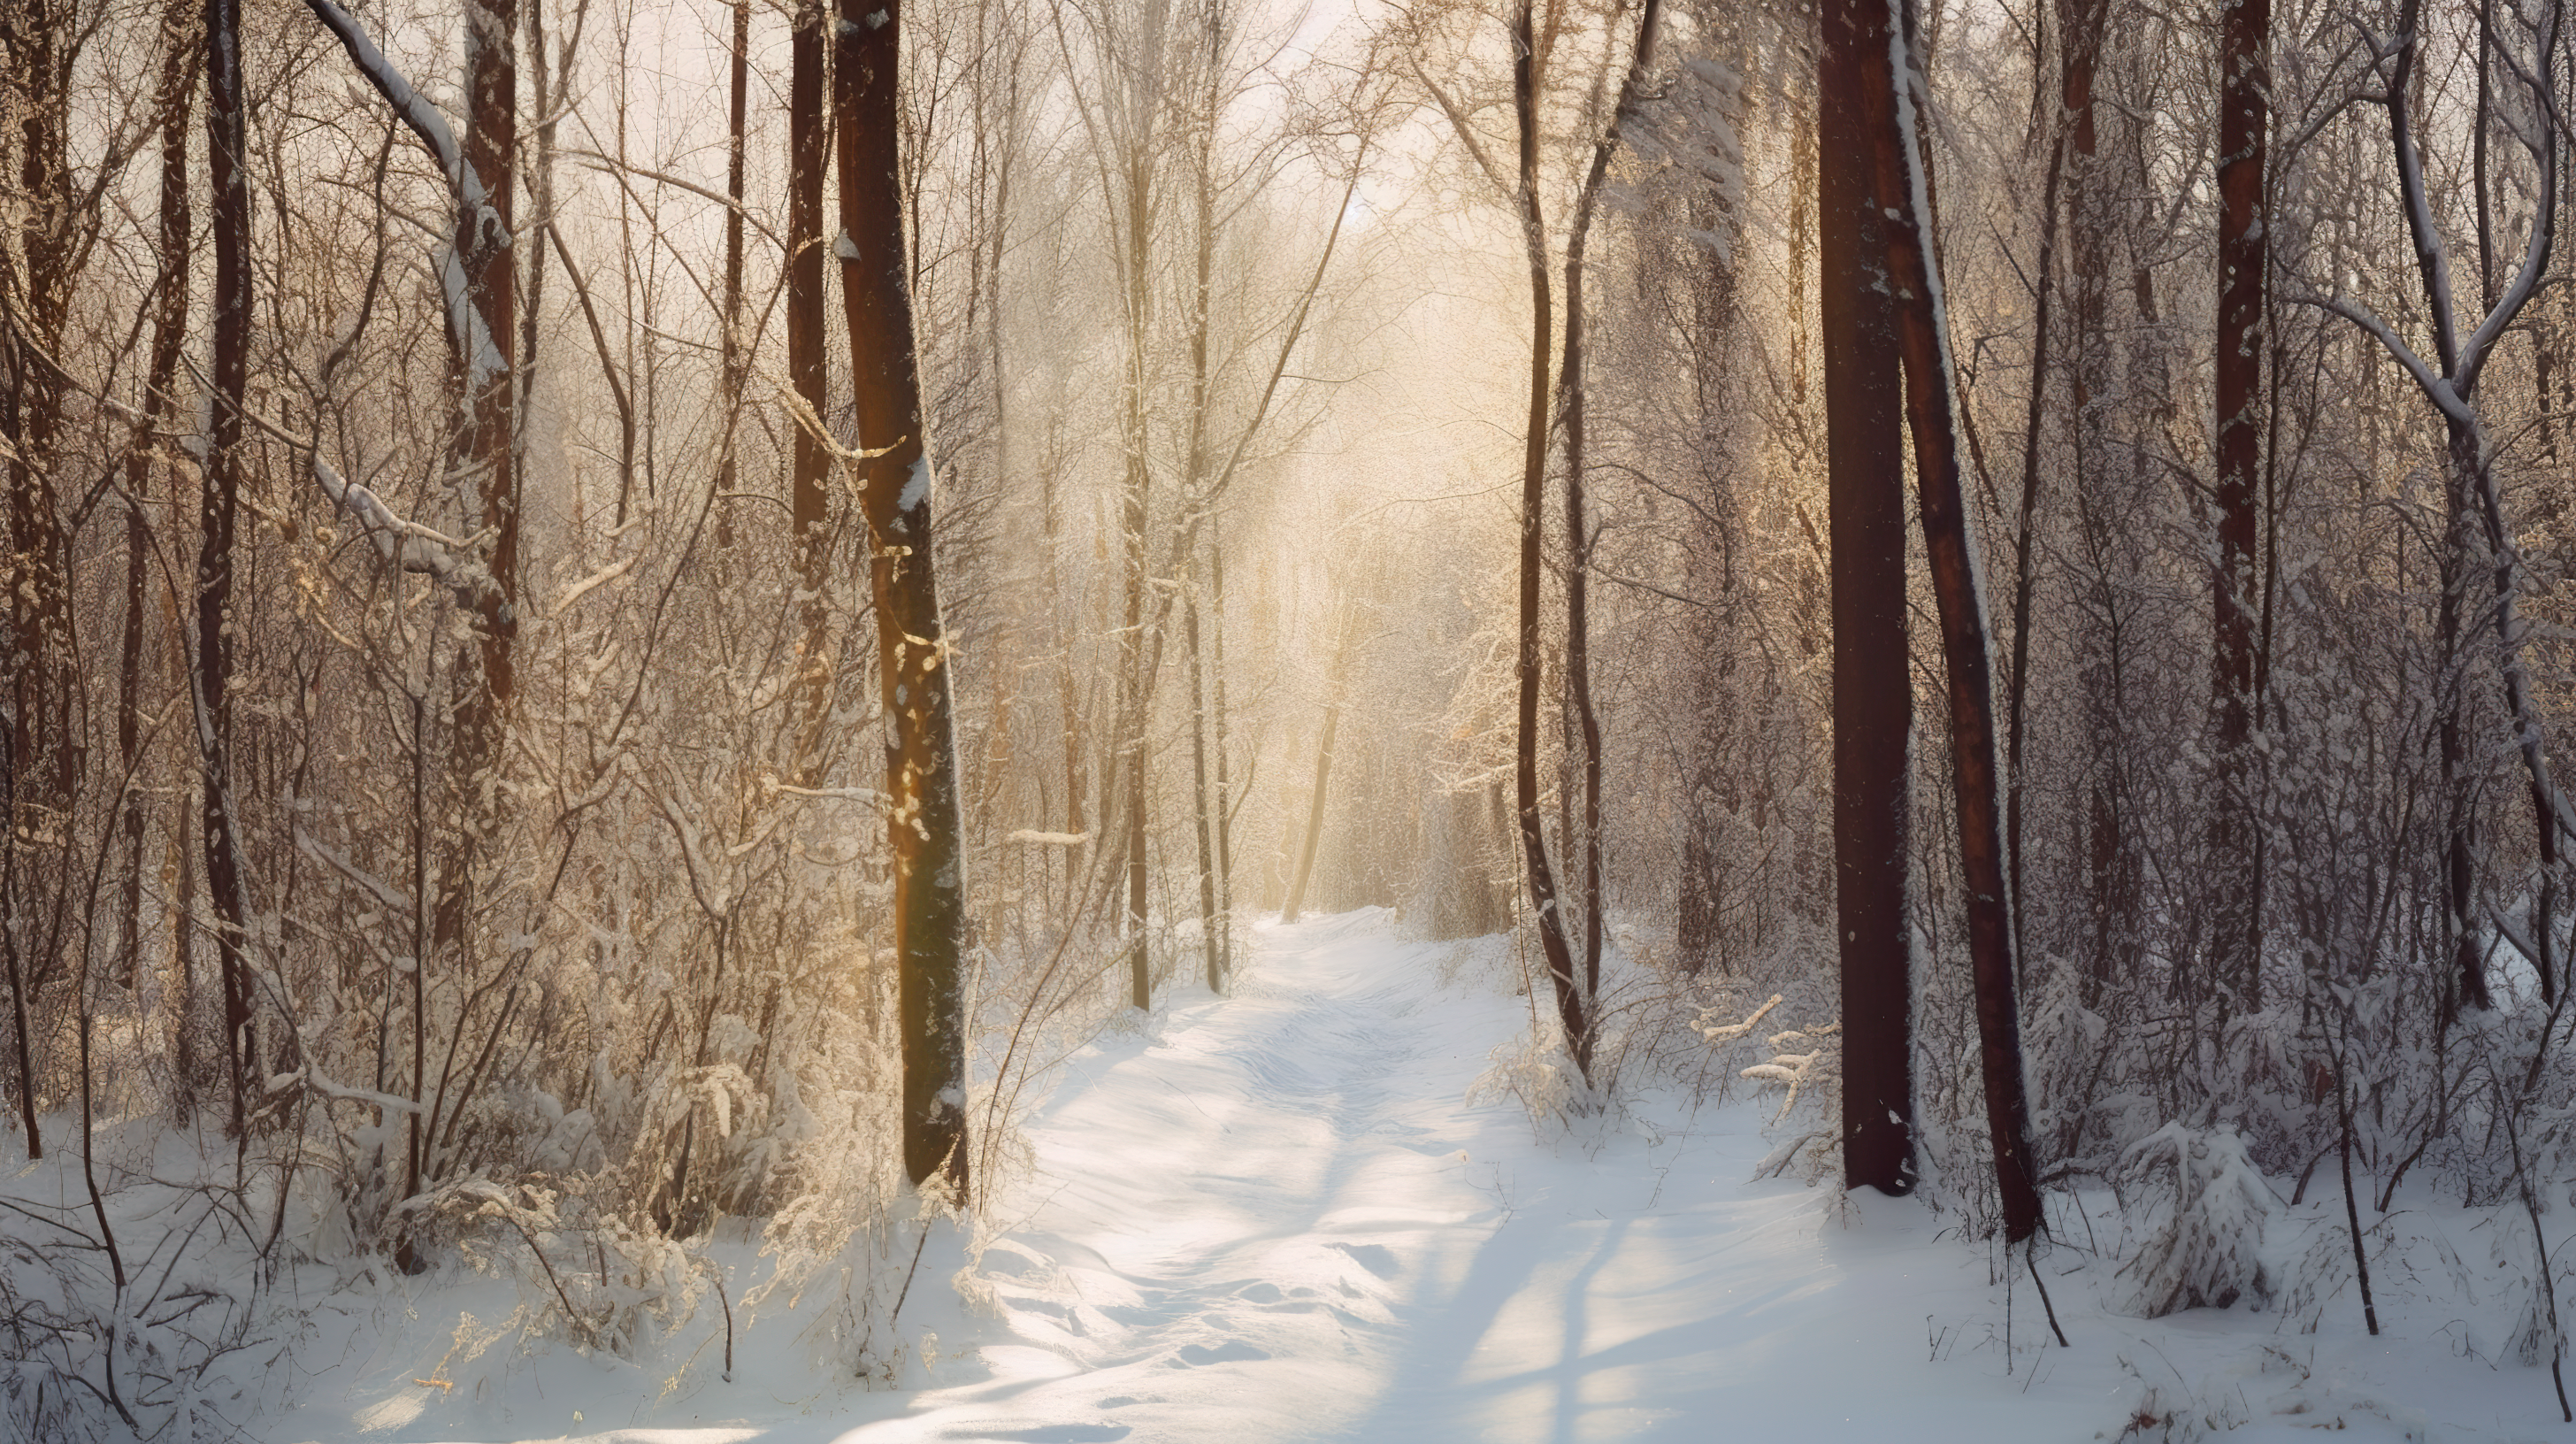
1578	534
1873	692
924	826
1913	274
1571	1013
810	452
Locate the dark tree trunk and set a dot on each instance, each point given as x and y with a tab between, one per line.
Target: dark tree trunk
183	60
810	465
1873	691
1571	1013
737	116
1913	273
1578	539
2244	250
925	829
218	504
39	756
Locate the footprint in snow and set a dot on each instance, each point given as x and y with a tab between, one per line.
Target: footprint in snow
1259	1293
1232	1351
1377	1258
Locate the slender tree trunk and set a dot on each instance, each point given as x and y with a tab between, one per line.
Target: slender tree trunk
1571	1013
1873	691
1204	806
810	454
1195	491
1135	701
2244	251
925	827
1224	781
2072	131
183	60
39	751
218	503
1913	273
1578	540
737	117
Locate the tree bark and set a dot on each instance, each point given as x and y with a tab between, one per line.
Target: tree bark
1572	1015
1914	275
925	826
1315	806
2073	131
183	59
1578	541
810	454
1872	689
39	752
218	504
2244	251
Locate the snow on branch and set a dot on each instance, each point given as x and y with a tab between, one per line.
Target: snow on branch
1717	1032
2435	388
1794	1069
405	543
415	110
480	230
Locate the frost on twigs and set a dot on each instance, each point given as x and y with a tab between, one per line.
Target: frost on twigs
1795	1069
1535	1073
1805	1064
2205	1207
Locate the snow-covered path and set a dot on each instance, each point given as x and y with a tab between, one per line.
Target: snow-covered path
1277	1217
1284	1221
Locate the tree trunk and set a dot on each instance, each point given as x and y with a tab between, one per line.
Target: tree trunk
1202	804
1578	541
2244	250
39	752
1872	689
218	503
737	108
1224	780
1914	274
925	827
2081	41
1571	1013
811	455
183	60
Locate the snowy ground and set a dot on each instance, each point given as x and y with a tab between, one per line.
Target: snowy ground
1277	1217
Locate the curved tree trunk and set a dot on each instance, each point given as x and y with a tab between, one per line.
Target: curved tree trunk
1913	271
925	827
1570	1010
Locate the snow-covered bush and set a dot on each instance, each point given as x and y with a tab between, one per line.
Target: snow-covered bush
2202	1206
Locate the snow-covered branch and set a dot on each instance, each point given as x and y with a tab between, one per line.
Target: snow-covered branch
408	103
2430	382
405	543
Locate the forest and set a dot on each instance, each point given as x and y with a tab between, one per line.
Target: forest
645	643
